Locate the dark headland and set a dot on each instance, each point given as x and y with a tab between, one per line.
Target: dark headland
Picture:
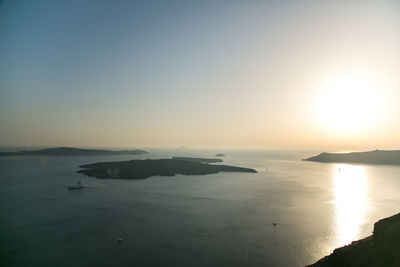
389	157
72	151
141	169
380	249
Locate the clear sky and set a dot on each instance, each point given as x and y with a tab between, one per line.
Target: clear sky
260	74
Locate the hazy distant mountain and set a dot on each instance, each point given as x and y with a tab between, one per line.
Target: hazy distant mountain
390	157
72	151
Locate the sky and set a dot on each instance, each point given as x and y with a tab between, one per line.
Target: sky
234	74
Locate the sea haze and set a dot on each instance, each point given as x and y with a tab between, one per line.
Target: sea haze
223	219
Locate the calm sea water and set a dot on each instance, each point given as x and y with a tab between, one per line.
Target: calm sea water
222	219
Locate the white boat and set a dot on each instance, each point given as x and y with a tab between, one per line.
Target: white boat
77	185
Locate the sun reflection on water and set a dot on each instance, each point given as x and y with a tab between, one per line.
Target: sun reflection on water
351	202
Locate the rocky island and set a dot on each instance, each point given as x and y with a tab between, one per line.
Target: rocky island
381	249
389	157
200	160
72	151
141	169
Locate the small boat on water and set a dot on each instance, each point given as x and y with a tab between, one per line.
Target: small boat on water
78	185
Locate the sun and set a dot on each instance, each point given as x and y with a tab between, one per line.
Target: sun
349	103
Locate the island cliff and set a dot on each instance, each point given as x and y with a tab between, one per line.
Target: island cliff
141	169
382	249
389	157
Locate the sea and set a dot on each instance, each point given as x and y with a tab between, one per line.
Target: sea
290	213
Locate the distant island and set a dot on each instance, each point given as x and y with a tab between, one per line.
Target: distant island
380	249
200	160
220	155
141	169
72	151
389	157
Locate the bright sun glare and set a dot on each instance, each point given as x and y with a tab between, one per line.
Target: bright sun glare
351	201
349	103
